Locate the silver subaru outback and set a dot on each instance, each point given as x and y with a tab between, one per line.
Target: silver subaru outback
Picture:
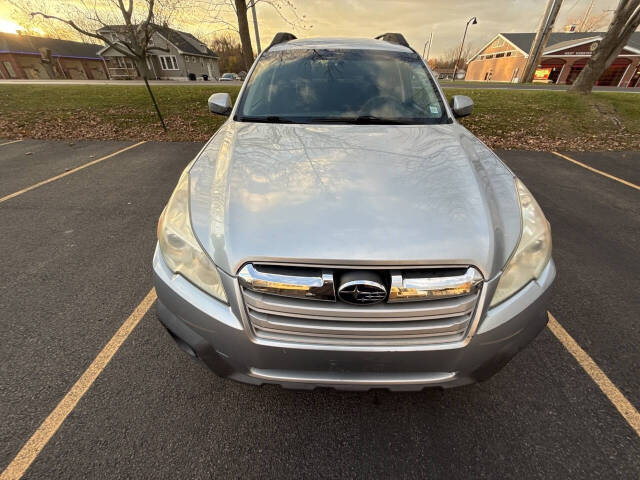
342	229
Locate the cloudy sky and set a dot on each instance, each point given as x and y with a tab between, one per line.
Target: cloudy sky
414	18
417	18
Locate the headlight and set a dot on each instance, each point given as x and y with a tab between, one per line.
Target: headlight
180	249
533	251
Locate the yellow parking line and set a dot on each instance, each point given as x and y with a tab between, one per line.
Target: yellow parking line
9	143
605	174
73	170
28	453
51	424
615	396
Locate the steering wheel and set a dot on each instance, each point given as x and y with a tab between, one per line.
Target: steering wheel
381	101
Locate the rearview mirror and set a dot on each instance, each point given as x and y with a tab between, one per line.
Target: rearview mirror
461	105
220	103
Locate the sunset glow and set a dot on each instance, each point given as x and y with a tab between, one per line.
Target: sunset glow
9	27
417	20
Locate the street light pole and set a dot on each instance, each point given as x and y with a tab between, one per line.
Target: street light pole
473	21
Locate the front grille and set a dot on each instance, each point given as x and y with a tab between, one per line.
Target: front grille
292	318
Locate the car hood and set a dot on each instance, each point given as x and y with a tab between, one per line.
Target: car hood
353	195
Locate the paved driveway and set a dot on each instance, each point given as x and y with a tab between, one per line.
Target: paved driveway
76	262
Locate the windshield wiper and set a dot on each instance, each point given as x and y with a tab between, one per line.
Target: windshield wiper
359	120
362	120
268	119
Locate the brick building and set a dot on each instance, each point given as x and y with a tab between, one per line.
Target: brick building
503	59
24	56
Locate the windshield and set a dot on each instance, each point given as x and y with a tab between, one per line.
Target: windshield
341	86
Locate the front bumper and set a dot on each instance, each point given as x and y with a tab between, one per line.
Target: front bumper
213	332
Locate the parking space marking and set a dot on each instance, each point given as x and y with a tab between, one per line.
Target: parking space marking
9	143
615	396
32	448
69	172
52	423
588	167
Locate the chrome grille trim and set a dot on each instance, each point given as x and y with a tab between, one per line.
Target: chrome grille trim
284	320
332	311
318	286
341	329
411	289
367	342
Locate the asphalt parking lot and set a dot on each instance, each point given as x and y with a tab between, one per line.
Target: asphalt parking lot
76	262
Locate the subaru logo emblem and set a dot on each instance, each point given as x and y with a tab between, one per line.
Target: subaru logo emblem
362	292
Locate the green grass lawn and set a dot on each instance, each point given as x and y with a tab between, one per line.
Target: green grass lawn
538	120
108	111
544	120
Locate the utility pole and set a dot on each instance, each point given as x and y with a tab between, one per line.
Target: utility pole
541	39
586	17
255	26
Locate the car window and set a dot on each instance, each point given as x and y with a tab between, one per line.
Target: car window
311	85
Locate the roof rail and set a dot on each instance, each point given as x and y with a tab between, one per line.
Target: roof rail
396	38
282	37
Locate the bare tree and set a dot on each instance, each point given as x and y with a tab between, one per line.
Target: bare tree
591	22
136	21
243	30
625	21
229	52
222	10
449	57
41	28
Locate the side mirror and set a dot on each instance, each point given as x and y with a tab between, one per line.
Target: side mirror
461	105
220	103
